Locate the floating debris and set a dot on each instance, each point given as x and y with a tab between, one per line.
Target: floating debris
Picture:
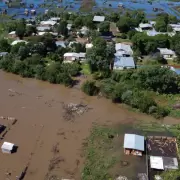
121	178
71	110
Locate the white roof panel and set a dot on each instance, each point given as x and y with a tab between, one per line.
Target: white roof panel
7	146
99	18
156	162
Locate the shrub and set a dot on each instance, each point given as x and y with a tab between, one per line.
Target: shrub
89	88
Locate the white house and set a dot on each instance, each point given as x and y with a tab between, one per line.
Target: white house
167	54
71	56
144	27
12	34
84	30
48	23
43	28
7	147
69	26
89	45
54	19
99	18
18	41
123	48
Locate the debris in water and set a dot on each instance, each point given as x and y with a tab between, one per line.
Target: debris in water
121	178
71	109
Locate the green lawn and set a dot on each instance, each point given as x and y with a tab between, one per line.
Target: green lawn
85	69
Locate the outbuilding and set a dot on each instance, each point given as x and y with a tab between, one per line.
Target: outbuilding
7	147
133	144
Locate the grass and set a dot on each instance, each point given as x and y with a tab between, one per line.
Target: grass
85	69
99	160
120	40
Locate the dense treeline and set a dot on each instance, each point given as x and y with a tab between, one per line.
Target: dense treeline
132	88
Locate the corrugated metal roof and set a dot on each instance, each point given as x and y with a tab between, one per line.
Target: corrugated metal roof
60	43
133	141
124	62
165	51
125	47
99	18
156	162
170	163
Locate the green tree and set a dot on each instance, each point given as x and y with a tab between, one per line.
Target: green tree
89	88
104	27
30	30
20	31
23	52
78	22
62	29
124	24
161	25
4	45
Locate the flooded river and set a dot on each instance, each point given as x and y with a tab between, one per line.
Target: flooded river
40	126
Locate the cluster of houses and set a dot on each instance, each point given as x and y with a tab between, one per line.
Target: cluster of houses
123	58
160	151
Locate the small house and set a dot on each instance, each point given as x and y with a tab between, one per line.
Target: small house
167	54
69	26
18	41
7	147
71	56
134	144
55	19
144	27
60	44
3	54
99	19
12	34
43	28
89	45
124	48
48	23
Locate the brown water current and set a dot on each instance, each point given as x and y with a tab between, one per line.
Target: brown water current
40	126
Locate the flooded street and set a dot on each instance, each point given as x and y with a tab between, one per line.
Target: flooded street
40	126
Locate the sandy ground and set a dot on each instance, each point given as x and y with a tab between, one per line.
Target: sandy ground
41	126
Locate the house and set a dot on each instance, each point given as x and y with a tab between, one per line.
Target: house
162	155
18	41
175	27
167	54
3	54
126	48
43	28
60	44
48	23
54	19
133	144
69	26
144	27
12	34
89	45
84	30
71	56
7	147
99	18
153	32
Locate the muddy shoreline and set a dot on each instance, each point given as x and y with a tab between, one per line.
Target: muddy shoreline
41	126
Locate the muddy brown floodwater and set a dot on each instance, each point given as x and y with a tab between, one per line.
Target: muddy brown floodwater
40	127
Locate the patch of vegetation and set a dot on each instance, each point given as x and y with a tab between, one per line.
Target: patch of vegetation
99	160
90	88
85	69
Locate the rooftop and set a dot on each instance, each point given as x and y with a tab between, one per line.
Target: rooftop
49	22
99	18
145	25
8	146
165	51
133	141
161	146
123	47
18	41
156	162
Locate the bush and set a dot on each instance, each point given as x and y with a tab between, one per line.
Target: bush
90	88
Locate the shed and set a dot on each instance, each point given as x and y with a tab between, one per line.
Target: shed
167	54
60	44
170	163
7	147
43	28
133	144
156	162
99	18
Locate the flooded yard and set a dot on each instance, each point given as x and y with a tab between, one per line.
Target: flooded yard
47	142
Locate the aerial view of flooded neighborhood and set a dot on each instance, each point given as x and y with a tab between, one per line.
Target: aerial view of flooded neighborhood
90	89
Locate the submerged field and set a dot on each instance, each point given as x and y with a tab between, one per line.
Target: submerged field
53	146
